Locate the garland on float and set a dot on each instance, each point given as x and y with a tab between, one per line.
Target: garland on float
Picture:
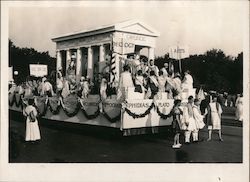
67	112
112	120
134	115
41	106
163	116
18	100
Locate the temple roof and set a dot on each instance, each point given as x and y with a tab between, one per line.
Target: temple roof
130	26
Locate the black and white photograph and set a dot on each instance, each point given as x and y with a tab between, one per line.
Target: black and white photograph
124	91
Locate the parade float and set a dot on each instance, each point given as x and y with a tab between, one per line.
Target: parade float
94	51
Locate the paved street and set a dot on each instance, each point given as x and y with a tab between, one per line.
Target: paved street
62	144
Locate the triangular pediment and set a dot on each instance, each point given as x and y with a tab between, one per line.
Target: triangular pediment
136	27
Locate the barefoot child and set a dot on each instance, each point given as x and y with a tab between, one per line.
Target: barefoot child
177	112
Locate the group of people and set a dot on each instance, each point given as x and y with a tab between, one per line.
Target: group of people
189	120
149	80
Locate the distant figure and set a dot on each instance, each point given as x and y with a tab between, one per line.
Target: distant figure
71	71
214	118
176	124
48	89
103	88
139	82
59	84
162	81
177	85
32	128
86	90
239	107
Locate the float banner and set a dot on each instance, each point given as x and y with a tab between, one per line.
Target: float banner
147	113
38	70
123	46
178	52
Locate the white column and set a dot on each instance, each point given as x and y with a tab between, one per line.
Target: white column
90	63
151	53
101	58
68	58
78	64
58	59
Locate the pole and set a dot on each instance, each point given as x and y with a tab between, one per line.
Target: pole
179	58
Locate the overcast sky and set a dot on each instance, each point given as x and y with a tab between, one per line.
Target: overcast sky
200	25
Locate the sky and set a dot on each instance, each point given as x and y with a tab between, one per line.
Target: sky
201	25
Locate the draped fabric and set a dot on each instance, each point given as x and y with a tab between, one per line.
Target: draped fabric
71	105
54	104
41	105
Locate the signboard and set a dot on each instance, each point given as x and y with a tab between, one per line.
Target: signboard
152	116
123	46
178	52
38	70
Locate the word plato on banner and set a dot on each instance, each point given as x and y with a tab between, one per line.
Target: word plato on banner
178	52
38	70
123	46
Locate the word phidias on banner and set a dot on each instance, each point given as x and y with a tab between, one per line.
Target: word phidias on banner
147	105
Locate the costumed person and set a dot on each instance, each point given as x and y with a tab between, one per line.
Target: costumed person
200	94
85	90
153	85
188	115
165	70
162	82
65	90
59	84
27	90
144	67
177	85
103	87
214	118
239	108
153	67
48	89
187	82
139	82
176	124
73	86
198	117
32	128
71	71
125	82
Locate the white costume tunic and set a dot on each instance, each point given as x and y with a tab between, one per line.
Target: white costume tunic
215	116
189	118
188	82
198	117
239	108
32	129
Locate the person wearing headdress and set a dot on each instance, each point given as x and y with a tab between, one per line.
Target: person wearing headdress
188	115
198	117
214	118
85	90
139	82
165	70
32	128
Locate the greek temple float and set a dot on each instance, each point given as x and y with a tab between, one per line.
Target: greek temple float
86	57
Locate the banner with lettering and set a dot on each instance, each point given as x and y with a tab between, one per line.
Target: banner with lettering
178	52
147	113
38	70
123	46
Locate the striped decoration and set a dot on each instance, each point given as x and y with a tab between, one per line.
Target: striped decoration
112	65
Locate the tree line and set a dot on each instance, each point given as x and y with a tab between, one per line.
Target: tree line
212	70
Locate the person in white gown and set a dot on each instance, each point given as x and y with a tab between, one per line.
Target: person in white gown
198	117
187	82
32	128
125	82
239	108
214	118
189	120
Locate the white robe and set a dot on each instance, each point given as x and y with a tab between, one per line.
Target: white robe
198	117
215	116
239	108
32	128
